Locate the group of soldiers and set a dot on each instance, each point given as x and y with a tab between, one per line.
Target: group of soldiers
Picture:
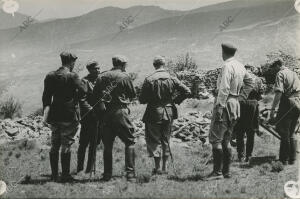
99	104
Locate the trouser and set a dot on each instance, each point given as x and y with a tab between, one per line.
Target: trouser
220	136
117	123
248	124
158	137
89	136
63	134
286	123
249	143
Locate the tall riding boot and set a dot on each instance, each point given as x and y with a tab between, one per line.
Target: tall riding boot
165	164
292	154
65	165
217	161
226	162
54	165
107	158
130	163
80	158
91	157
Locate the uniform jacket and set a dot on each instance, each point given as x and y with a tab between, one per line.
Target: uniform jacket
230	81
287	82
88	101
62	90
160	91
114	88
256	90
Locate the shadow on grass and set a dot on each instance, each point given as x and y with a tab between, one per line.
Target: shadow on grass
46	178
195	177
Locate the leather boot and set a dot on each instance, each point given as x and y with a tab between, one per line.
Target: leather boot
65	165
80	158
217	161
226	163
54	166
91	157
107	158
130	163
292	154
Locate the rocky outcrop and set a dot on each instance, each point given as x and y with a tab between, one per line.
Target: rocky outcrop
193	126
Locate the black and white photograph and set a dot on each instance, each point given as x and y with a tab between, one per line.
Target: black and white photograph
150	99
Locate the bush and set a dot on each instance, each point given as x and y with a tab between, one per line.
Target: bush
182	63
267	69
277	166
11	107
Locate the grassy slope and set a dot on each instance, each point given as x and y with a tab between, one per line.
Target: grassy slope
248	182
254	182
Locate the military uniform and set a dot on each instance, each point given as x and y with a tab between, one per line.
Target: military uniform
62	90
89	134
226	111
287	82
248	123
115	89
158	93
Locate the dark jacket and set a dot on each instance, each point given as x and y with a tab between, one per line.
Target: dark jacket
114	88
160	91
88	101
253	92
62	90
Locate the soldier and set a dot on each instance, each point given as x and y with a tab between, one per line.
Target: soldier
115	91
249	120
89	123
158	93
62	89
226	110
287	95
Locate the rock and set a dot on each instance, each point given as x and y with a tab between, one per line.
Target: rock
12	132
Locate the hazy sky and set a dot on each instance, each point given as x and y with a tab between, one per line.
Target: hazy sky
69	8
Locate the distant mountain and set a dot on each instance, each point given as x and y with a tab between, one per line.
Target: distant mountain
92	25
256	27
9	21
200	33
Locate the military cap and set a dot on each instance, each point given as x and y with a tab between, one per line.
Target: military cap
159	60
228	48
67	57
92	64
119	59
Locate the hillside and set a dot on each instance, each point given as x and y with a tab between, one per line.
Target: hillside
259	28
9	21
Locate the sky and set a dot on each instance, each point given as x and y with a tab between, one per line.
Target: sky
70	8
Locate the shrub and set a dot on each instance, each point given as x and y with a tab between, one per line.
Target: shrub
10	107
277	166
182	63
265	168
267	69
